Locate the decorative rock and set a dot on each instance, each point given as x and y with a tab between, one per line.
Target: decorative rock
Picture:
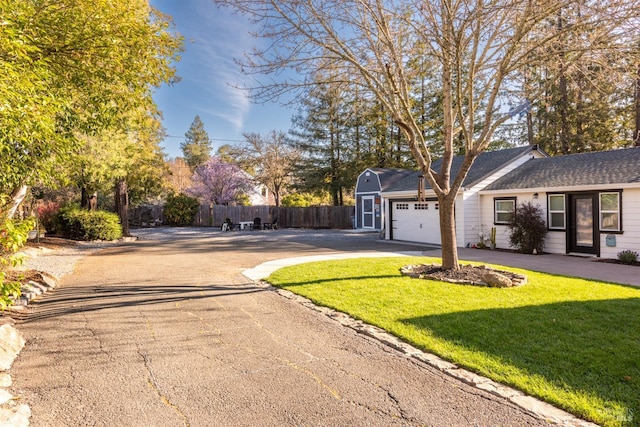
11	342
15	417
5	396
5	380
48	279
496	280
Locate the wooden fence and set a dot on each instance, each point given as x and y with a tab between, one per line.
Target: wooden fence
336	217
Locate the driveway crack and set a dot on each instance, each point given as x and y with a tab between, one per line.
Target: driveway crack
153	383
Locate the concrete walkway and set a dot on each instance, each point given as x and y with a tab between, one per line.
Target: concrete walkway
565	265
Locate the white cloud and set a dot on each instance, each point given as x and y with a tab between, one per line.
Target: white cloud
218	38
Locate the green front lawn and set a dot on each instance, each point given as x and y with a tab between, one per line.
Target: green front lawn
572	342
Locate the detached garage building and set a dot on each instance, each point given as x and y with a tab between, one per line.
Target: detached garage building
408	219
370	207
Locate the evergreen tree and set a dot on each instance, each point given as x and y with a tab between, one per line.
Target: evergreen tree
321	136
587	100
196	146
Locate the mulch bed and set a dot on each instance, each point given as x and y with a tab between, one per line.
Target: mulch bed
466	274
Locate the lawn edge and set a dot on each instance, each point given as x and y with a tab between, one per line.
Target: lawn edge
534	406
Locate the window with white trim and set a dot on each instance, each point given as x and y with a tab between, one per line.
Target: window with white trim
503	210
609	211
557	214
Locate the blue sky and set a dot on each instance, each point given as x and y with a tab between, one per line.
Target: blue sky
213	38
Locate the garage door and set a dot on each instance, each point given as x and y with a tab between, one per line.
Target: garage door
416	221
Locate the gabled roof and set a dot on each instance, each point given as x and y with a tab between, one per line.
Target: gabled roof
596	168
389	176
485	164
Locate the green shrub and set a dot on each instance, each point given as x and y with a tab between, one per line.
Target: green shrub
80	224
628	256
528	228
301	200
13	235
180	210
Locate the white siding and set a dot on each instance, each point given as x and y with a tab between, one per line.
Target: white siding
556	241
630	237
502	231
461	214
475	219
470	220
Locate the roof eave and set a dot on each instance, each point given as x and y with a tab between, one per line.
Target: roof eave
562	189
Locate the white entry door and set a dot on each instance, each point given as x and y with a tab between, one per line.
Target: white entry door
367	212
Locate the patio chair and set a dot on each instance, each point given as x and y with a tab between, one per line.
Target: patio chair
257	224
271	225
228	225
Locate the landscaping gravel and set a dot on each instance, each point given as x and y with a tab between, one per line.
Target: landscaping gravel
58	257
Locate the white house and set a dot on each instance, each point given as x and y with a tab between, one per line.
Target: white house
409	219
591	201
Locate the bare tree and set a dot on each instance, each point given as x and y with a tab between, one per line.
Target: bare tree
474	48
178	176
270	159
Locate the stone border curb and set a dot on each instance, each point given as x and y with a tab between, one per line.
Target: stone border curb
33	289
539	409
11	413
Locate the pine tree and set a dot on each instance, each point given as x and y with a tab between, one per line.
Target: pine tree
197	145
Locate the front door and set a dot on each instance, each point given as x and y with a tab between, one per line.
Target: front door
367	212
583	230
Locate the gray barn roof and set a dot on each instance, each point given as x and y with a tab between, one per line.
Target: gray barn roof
389	177
484	165
603	167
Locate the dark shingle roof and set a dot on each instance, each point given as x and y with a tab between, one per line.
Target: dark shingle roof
485	164
604	167
389	177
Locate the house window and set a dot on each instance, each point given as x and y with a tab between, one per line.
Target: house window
556	211
610	211
503	210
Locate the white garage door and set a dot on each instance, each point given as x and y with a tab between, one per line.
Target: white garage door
416	222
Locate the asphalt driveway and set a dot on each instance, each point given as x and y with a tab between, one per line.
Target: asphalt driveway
166	331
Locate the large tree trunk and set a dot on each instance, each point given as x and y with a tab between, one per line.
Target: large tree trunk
448	233
16	199
122	204
88	201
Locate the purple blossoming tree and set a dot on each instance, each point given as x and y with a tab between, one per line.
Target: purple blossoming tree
218	182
